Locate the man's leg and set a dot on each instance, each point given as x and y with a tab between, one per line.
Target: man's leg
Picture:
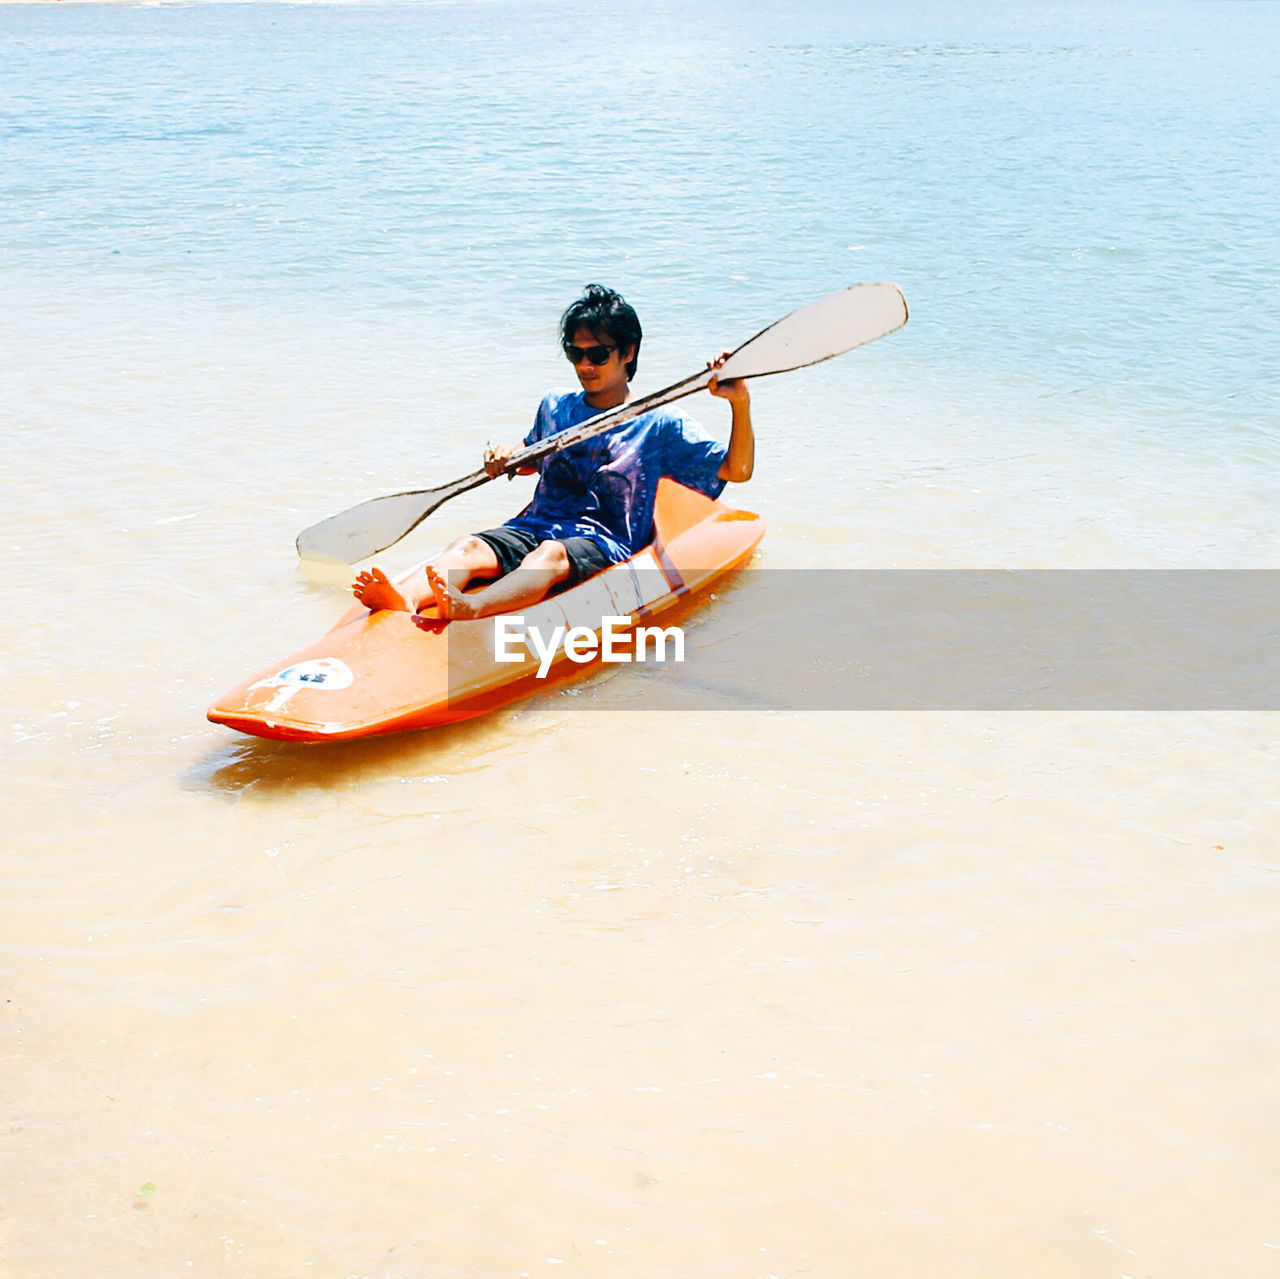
464	560
545	567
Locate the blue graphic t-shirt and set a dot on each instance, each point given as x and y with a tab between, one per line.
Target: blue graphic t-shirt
604	487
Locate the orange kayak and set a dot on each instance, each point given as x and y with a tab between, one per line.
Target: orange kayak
380	673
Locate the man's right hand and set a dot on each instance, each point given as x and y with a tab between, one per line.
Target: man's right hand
496	457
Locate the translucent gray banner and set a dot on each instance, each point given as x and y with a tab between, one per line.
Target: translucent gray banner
1121	640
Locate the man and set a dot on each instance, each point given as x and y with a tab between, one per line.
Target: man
593	505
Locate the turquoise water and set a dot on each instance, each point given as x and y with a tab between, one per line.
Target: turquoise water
1079	198
324	247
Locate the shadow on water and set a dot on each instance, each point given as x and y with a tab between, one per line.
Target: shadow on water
243	765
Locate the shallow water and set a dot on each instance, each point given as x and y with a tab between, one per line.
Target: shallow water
627	992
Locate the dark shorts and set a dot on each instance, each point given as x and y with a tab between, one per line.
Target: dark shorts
511	545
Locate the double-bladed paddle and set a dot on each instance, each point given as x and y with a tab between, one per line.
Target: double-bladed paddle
830	326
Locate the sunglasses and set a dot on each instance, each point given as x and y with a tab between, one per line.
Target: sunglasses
592	354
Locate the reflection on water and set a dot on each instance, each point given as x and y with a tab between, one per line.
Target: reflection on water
253	764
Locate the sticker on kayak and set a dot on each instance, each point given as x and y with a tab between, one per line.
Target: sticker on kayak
325	673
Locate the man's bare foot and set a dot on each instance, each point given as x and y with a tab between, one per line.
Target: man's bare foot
374	589
430	623
450	602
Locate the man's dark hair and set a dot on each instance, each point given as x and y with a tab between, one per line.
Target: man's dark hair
608	315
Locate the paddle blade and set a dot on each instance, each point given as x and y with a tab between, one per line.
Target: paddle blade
830	326
364	530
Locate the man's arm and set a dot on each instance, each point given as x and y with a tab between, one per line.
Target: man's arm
740	461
